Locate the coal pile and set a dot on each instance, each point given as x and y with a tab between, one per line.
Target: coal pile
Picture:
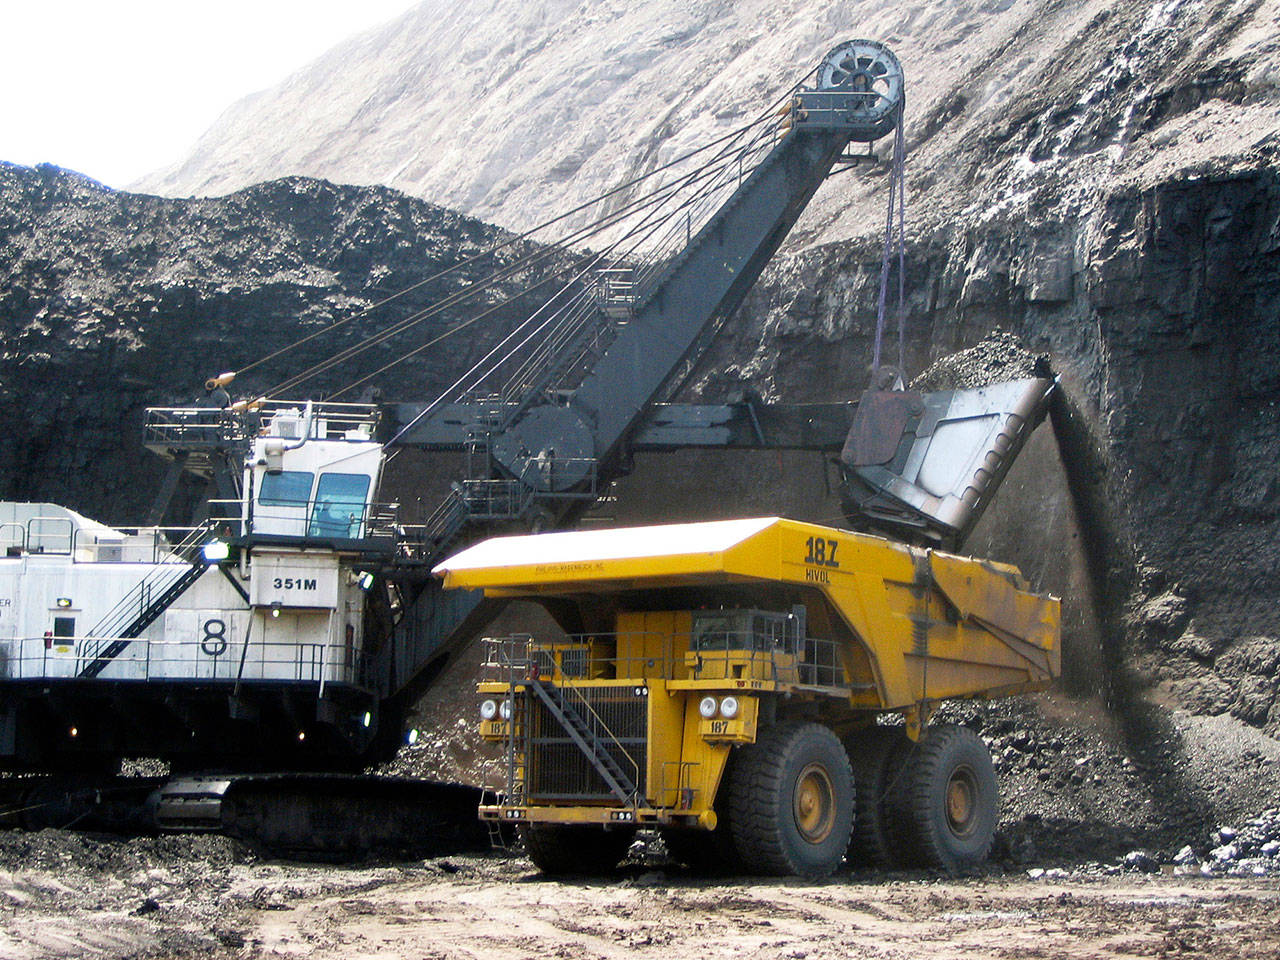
111	301
1253	850
998	356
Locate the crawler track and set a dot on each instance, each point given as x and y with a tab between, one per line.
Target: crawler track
331	817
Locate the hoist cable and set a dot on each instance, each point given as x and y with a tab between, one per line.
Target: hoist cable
454	299
459	383
895	217
900	173
658	196
644	229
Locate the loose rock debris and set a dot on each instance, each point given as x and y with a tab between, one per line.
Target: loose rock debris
235	906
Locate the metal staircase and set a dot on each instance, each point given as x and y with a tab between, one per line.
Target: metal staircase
142	606
588	740
122	626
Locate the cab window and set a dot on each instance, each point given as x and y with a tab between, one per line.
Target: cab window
339	507
288	488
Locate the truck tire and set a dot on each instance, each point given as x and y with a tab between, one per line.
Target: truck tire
954	800
791	801
878	758
573	849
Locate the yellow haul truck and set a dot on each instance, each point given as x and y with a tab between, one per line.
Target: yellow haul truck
725	683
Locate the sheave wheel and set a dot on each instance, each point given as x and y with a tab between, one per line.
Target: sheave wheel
954	799
560	849
791	801
880	823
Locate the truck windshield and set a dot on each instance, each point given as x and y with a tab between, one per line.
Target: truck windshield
722	631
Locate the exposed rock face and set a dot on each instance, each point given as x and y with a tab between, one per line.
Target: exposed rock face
515	111
1097	179
1162	325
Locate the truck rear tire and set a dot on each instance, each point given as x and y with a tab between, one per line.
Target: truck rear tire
574	849
791	801
954	800
878	757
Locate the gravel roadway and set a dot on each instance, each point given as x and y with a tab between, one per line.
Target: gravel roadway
67	898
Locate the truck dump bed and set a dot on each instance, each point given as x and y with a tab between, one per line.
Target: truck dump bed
909	625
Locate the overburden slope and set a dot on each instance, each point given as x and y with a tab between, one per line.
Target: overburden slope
514	112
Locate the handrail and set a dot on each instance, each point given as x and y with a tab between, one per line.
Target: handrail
21	542
184	659
32	536
206	428
522	670
812	661
363	514
135	602
601	725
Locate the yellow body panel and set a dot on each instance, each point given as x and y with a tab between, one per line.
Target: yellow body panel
646	641
904	627
927	625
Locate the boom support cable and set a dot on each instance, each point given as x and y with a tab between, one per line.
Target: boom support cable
516	238
466	383
709	174
654	200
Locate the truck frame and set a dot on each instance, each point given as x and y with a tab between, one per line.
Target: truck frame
728	683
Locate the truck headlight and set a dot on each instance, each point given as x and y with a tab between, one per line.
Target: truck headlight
488	710
729	707
504	710
707	707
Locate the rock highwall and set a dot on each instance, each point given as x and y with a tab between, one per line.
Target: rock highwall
112	302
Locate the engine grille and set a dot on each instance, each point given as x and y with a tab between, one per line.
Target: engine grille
559	770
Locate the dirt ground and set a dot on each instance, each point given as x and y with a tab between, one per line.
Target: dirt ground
83	900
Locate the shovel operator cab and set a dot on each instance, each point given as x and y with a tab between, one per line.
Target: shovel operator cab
724	682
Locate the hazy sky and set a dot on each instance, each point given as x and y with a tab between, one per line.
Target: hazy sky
117	88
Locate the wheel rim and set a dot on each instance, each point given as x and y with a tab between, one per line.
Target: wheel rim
962	801
814	803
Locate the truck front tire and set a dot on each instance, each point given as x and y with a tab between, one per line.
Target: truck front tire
791	801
